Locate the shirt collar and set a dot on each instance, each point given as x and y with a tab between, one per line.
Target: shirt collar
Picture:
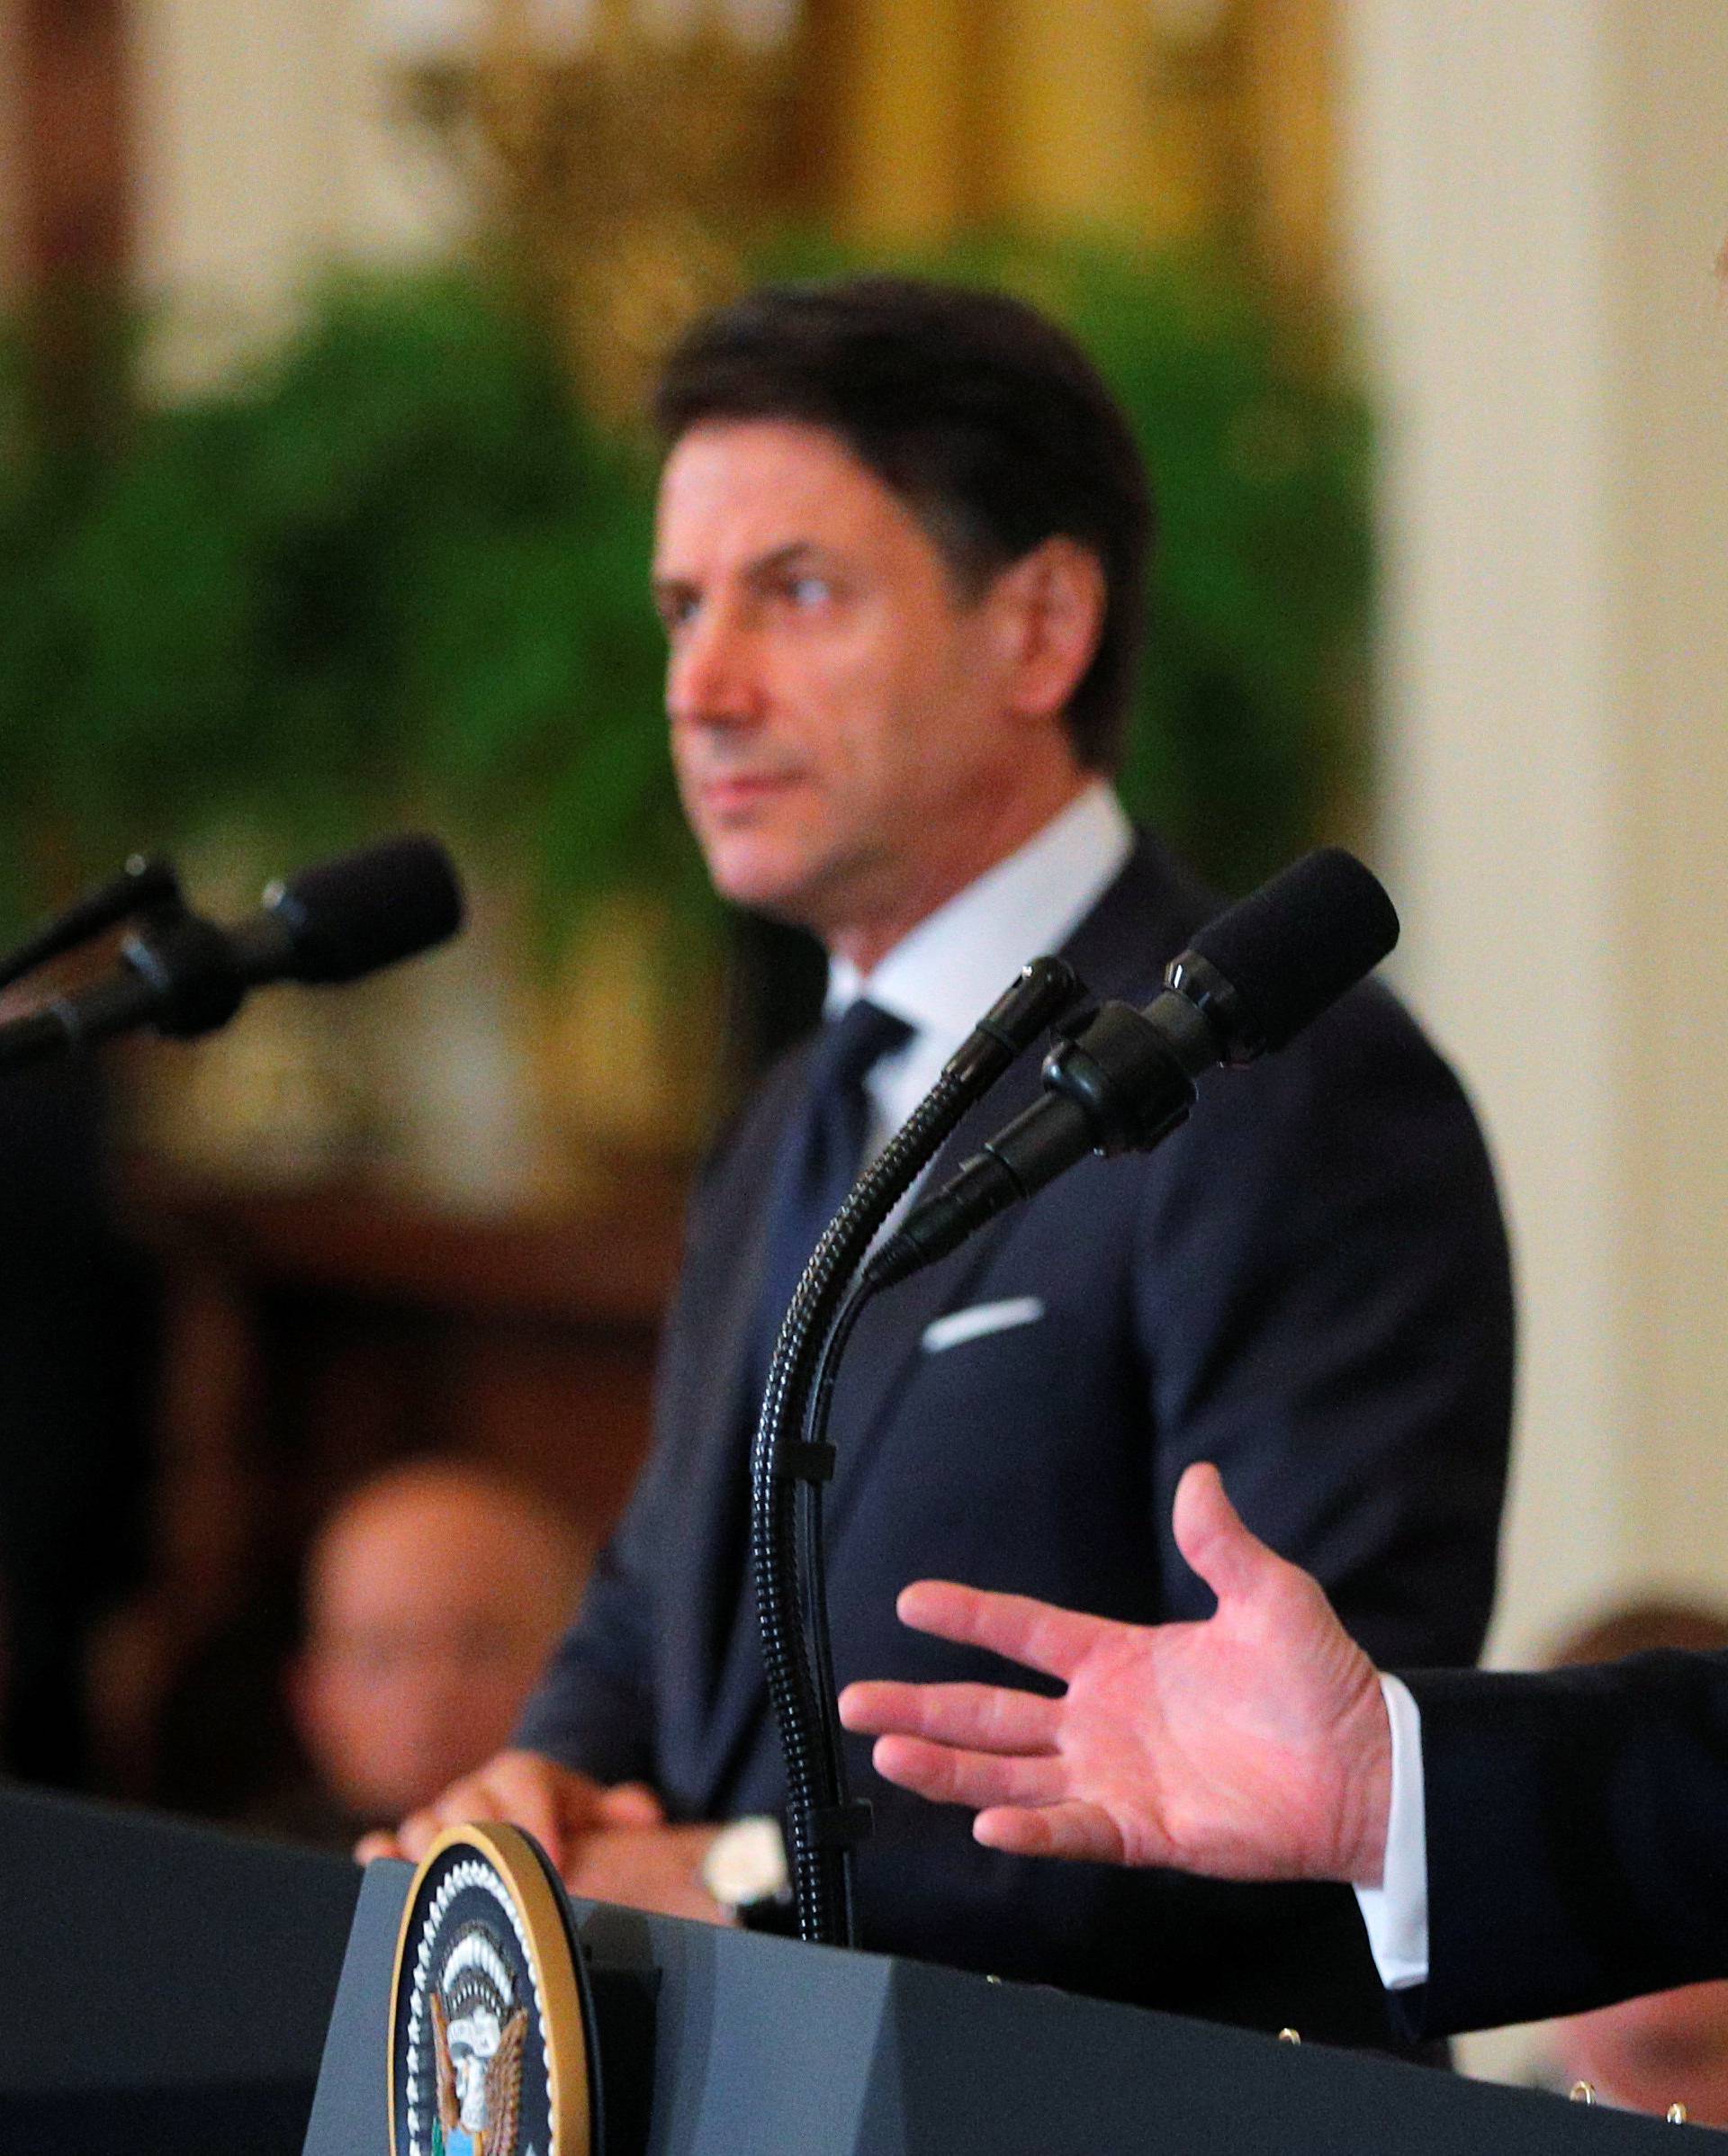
943	975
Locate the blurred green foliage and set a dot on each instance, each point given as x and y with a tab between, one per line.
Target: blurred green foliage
396	573
392	574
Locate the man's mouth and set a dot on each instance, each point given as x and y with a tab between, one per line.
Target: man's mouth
731	792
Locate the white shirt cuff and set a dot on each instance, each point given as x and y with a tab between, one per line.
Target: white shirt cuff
1396	1911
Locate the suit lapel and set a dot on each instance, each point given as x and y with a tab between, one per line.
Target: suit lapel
876	1370
1119	949
1113	954
885	1353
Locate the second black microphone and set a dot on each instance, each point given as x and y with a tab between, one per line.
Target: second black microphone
1253	978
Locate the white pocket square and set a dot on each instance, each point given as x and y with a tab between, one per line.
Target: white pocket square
960	1325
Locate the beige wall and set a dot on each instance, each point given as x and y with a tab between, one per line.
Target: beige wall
1479	220
1538	193
1670	317
264	150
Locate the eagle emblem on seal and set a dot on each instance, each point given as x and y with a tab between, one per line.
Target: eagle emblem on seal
478	2032
492	2043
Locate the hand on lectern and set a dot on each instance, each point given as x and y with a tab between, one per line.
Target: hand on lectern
1253	1745
608	1844
556	1804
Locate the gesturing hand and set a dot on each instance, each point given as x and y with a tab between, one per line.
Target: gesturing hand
1252	1746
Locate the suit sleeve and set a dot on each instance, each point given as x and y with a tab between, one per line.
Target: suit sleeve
593	1707
597	1706
1577	1833
1327	1314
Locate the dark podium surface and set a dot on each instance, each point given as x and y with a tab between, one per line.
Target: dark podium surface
720	2044
171	1989
167	1986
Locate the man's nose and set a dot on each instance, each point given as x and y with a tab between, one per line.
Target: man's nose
714	676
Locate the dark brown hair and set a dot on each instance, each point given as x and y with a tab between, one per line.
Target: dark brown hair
989	422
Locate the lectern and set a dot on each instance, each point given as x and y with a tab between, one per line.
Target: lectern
172	1989
721	2043
166	1987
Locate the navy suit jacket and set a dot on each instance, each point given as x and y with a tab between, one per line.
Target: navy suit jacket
1578	1837
1308	1285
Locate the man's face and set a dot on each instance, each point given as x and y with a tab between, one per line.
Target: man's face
431	1616
852	733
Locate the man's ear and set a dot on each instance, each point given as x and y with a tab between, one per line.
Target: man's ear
1051	609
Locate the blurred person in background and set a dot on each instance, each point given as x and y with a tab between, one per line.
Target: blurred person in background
434	1594
1646	2053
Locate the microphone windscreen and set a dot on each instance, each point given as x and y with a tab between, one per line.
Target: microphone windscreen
348	917
1296	943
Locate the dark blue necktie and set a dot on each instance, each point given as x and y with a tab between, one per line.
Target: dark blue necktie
820	1155
818	1163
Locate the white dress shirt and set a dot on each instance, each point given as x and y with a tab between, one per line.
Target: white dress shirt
1396	1911
945	975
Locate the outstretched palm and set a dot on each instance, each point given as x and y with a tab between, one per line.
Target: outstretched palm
1253	1745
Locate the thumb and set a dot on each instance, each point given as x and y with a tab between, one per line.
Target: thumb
630	1804
1235	1565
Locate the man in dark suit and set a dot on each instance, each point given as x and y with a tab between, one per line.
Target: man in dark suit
1521	1846
900	557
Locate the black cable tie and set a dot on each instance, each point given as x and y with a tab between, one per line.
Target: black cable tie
841	1825
808	1463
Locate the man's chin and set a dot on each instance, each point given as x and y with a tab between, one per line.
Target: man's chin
762	882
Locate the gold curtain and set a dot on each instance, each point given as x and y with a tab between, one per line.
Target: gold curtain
1157	118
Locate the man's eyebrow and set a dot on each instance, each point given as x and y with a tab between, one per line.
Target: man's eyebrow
772	563
782	557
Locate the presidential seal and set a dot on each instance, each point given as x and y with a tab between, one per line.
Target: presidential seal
492	2048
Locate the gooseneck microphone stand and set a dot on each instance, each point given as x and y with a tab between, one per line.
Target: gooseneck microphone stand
146	888
790	1462
1253	978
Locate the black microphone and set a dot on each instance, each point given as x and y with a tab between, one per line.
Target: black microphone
1251	978
329	924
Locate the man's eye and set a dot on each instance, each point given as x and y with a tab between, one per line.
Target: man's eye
675	608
